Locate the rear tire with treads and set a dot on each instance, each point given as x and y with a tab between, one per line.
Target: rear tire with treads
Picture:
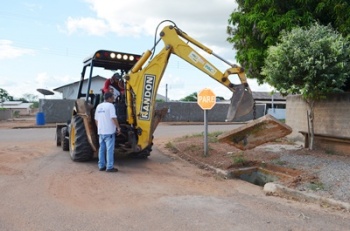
64	139
79	146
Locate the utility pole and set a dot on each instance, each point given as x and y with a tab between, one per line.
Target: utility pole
166	92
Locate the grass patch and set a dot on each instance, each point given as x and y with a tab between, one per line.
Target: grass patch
182	138
285	140
239	159
330	152
279	162
316	186
171	147
212	136
192	147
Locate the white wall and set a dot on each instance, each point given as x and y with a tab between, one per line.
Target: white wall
278	113
71	92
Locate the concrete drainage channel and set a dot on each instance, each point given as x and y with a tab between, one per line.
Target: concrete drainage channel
265	176
254	175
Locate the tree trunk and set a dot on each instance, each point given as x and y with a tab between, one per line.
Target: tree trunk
311	117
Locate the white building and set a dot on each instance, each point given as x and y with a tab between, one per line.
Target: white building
70	91
17	107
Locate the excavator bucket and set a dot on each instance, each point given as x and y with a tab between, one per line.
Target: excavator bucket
255	133
242	102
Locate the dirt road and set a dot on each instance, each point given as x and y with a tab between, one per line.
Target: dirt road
42	189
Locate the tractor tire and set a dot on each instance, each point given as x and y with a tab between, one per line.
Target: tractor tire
64	139
79	147
58	137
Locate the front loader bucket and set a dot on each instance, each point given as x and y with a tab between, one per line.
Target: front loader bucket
242	102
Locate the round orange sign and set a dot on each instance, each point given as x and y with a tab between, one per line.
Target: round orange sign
206	99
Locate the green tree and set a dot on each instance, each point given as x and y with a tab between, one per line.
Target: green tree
192	97
256	24
35	105
4	95
30	97
219	98
23	100
313	62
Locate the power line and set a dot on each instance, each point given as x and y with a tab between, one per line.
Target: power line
25	16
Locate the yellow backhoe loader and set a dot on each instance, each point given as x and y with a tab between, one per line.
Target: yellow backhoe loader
136	110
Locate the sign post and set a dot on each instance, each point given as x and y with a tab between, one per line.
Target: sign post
206	99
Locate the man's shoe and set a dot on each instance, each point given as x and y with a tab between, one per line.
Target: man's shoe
112	170
102	169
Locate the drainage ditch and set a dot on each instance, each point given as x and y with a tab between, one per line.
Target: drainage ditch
262	175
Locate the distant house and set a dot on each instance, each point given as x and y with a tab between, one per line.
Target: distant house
17	107
275	100
275	104
271	101
70	91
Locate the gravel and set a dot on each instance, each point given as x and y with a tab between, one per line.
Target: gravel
332	171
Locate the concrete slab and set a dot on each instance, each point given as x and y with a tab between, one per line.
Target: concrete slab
255	133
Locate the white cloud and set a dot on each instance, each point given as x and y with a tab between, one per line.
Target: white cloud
9	51
42	80
205	21
49	82
253	84
92	26
32	6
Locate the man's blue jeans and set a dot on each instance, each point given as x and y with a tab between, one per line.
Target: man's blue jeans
106	146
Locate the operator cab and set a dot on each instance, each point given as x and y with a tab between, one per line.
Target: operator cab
103	63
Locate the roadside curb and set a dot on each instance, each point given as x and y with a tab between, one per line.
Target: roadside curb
174	123
36	126
276	189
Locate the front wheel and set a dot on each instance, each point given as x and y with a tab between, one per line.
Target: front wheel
79	146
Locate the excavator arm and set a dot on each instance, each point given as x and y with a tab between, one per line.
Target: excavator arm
142	82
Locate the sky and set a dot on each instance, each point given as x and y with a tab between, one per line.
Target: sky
43	43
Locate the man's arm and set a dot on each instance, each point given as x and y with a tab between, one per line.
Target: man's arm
115	121
106	86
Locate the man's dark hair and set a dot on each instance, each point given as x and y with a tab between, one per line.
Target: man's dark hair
117	75
108	95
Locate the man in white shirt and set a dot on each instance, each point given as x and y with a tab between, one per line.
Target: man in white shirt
107	123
